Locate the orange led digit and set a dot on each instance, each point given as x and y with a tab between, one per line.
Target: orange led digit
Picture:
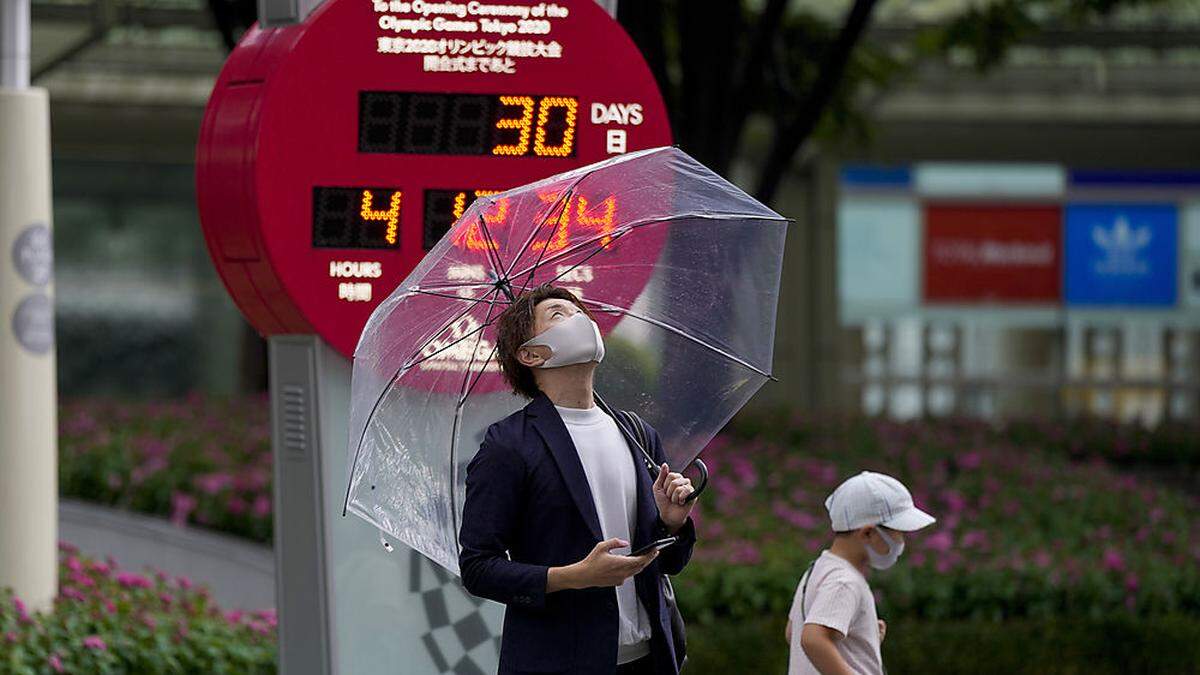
521	123
563	149
460	205
599	218
392	215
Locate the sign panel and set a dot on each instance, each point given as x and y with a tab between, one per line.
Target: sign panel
1190	264
1121	254
1009	253
877	252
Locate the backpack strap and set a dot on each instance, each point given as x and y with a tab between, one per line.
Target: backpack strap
641	437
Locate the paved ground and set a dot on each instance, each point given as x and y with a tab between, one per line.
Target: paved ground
240	574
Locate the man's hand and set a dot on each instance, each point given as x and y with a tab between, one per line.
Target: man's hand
599	569
670	494
882	629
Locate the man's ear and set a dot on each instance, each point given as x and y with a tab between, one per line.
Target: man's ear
530	358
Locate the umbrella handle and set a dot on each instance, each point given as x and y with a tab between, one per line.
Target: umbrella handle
703	480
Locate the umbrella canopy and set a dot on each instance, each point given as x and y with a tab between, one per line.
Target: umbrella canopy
680	268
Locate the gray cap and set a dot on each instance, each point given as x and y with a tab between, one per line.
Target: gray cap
874	499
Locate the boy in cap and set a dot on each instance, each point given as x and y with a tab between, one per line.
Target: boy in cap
832	627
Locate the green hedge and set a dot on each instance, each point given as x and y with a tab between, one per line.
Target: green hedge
1023	531
109	622
1114	645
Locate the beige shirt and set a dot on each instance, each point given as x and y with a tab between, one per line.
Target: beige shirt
837	596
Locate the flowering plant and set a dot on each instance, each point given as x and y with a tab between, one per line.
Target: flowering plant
199	460
1023	530
106	620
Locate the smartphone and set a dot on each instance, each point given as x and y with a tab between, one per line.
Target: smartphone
654	546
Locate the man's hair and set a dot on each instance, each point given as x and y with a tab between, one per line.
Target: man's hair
515	326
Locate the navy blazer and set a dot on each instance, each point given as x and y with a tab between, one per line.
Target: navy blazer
528	508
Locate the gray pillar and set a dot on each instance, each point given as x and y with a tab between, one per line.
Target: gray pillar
14	44
28	391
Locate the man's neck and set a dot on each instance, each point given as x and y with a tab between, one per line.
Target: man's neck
850	552
568	386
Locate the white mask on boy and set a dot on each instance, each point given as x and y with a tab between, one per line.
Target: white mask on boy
575	339
882	561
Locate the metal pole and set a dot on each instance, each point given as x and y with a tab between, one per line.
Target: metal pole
609	6
28	395
14	44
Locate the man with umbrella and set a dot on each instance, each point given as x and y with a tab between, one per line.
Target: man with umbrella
556	499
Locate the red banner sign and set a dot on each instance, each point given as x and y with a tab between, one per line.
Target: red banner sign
1009	253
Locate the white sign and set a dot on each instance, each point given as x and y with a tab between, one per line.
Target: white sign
878	253
1189	259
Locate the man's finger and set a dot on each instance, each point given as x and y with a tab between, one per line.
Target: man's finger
610	544
661	481
680	494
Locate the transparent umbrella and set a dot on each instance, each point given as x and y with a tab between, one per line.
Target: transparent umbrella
680	267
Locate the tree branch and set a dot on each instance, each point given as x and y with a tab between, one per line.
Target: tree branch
790	136
750	80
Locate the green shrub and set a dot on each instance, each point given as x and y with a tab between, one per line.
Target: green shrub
1113	645
106	621
202	461
1022	532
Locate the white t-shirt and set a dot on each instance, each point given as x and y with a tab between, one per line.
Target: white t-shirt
837	596
610	469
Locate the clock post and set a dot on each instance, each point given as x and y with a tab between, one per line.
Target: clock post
337	148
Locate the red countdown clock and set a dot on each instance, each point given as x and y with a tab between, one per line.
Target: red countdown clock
336	152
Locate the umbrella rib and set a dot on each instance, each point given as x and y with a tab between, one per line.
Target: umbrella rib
563	201
478	377
435	294
586	258
466	336
493	249
445	287
682	333
558	222
458	418
434	334
391	381
642	223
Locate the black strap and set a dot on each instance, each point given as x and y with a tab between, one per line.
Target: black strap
804	588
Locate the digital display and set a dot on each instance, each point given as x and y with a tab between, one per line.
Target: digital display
580	216
442	208
356	217
500	125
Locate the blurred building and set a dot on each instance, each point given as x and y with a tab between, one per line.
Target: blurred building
1021	242
140	309
953	265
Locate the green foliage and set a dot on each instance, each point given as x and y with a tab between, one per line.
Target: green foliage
1056	646
205	461
1026	529
115	623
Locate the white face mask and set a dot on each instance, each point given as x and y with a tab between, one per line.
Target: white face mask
575	339
882	561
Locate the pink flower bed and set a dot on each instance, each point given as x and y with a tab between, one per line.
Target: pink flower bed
201	461
1022	530
107	620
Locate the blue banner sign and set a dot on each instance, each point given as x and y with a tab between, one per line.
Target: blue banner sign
1121	254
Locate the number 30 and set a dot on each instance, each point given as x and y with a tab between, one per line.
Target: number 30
524	125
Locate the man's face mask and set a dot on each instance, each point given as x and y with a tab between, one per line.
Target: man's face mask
575	339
